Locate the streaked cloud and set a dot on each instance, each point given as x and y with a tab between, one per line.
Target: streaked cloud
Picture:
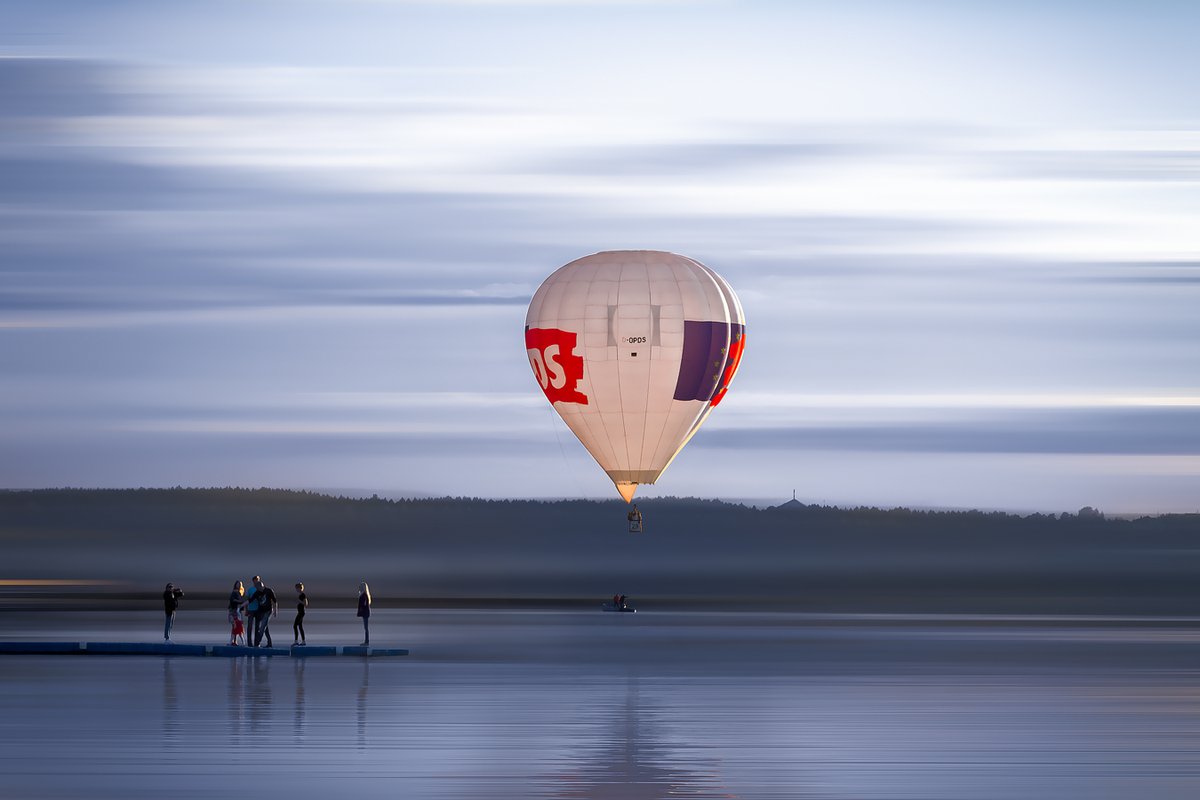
1163	431
235	251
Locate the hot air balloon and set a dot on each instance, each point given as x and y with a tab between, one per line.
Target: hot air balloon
634	348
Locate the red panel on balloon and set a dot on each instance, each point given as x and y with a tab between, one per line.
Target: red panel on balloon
557	368
737	342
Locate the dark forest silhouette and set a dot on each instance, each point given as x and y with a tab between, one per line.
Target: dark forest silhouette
810	557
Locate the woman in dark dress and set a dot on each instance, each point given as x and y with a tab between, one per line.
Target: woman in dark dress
364	610
298	625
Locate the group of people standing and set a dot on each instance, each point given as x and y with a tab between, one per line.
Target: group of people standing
258	607
250	612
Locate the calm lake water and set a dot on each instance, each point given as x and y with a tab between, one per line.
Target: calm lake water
577	704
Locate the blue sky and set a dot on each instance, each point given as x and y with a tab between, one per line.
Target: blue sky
291	244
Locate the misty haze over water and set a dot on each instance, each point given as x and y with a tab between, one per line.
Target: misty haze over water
115	544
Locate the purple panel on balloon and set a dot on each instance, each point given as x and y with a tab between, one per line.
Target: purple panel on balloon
705	345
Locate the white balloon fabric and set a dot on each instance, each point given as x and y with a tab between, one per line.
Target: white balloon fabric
634	348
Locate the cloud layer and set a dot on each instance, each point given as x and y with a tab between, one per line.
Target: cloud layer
198	243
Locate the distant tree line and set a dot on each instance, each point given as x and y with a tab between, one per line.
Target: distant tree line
816	557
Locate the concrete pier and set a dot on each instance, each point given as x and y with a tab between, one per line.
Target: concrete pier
173	649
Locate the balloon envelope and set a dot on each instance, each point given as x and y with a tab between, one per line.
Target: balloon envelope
634	348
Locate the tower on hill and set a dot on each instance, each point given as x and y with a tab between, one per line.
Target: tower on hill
793	503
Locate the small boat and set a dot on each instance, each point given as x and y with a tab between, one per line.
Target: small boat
611	606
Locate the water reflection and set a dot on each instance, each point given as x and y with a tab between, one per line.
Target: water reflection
636	762
171	723
868	711
249	698
258	694
362	704
298	712
235	698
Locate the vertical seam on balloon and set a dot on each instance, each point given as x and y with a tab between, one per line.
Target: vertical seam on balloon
697	275
737	315
691	422
650	373
663	430
706	408
620	393
562	284
581	343
600	437
727	320
585	417
586	421
594	422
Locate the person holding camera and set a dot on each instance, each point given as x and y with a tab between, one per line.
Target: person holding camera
171	597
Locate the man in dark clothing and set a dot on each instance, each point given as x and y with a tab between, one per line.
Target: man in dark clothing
171	597
251	603
268	607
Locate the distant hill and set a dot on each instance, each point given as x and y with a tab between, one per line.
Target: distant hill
804	556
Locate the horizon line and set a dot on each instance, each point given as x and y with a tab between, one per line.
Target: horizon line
756	502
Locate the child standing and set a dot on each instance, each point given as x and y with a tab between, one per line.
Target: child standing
236	599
